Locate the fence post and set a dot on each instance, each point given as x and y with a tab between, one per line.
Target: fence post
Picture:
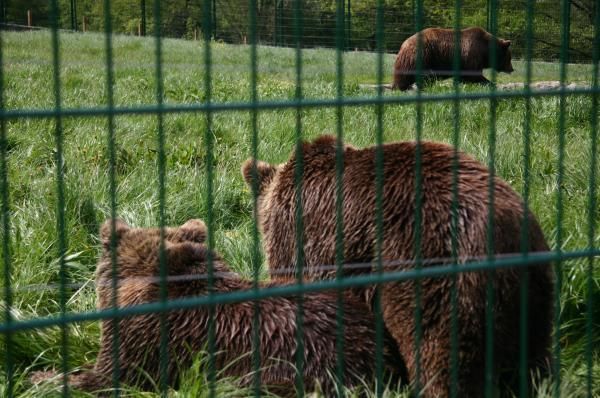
143	22
278	23
83	24
2	12
73	15
29	18
349	26
492	18
342	21
214	19
487	15
567	22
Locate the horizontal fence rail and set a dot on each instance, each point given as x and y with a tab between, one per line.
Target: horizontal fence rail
163	141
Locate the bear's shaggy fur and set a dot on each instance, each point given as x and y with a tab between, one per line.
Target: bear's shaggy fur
277	218
137	265
437	49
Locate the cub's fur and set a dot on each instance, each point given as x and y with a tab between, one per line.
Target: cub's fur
137	265
277	218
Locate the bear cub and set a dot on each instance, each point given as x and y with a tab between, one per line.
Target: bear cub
138	269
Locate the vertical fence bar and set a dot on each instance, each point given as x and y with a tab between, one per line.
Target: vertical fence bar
525	245
379	183
6	250
60	194
161	163
143	13
339	189
255	242
208	137
564	54
418	197
298	181
592	206
456	67
113	193
491	275
524	273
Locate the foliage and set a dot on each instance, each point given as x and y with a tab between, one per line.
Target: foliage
28	84
179	18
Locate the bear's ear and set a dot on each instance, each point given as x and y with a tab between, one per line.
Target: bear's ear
106	230
193	230
324	144
264	172
505	43
325	140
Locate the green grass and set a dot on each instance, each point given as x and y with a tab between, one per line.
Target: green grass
28	82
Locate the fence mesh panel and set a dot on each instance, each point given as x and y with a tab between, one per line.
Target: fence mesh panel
378	28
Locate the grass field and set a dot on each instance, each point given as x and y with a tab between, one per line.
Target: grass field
28	84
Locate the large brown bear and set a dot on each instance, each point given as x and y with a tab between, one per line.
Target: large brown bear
277	218
437	49
137	264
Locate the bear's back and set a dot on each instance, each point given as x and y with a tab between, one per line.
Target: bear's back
437	178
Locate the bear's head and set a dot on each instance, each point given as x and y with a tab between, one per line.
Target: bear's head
137	255
193	230
504	56
260	175
135	245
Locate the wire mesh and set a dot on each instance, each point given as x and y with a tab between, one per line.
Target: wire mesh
301	24
227	21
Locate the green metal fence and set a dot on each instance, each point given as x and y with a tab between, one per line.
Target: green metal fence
380	101
275	21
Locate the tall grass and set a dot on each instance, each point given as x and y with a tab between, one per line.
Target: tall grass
28	77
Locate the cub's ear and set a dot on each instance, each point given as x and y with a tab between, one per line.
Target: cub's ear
505	43
264	172
193	230
106	230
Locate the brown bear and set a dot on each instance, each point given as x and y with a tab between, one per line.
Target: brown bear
137	265
277	220
437	59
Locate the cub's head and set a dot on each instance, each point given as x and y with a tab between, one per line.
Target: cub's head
137	251
504	56
136	254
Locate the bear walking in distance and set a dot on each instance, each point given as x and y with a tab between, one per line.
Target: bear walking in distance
277	220
137	264
437	56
